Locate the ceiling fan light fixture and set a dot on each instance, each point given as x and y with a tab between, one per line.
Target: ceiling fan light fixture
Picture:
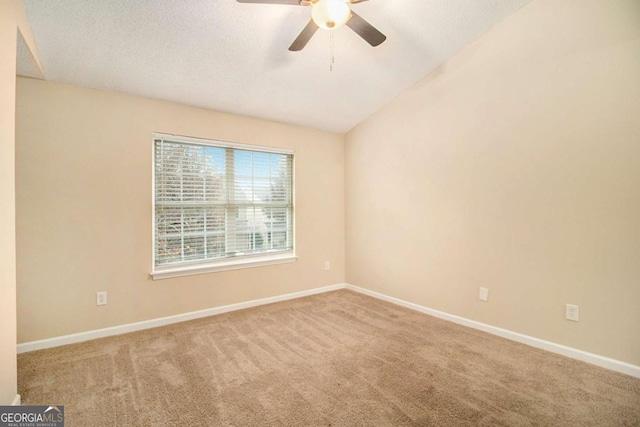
330	14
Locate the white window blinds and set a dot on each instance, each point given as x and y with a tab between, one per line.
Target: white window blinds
215	201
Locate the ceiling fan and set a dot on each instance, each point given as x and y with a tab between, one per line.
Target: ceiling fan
329	15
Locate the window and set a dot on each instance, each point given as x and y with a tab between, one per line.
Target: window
219	205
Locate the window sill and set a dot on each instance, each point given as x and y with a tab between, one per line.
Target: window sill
236	264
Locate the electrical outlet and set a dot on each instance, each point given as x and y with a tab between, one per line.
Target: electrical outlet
327	265
572	312
483	294
101	298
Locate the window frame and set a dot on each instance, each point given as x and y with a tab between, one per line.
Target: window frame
227	263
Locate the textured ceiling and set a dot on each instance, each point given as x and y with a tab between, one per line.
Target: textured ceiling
233	57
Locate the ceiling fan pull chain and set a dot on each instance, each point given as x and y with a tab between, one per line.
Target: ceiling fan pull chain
332	59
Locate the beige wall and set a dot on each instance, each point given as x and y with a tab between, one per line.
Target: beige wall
84	210
8	32
514	166
12	20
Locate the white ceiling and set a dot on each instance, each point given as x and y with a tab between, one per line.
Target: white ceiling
233	57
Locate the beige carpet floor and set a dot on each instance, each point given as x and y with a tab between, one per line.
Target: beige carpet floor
335	359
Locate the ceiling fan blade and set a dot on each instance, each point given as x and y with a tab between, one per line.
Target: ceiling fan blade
365	30
356	1
289	2
303	38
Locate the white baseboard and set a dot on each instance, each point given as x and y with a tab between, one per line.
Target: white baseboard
594	359
16	401
153	323
605	362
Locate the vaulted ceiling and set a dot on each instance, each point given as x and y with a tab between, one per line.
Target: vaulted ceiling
233	57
